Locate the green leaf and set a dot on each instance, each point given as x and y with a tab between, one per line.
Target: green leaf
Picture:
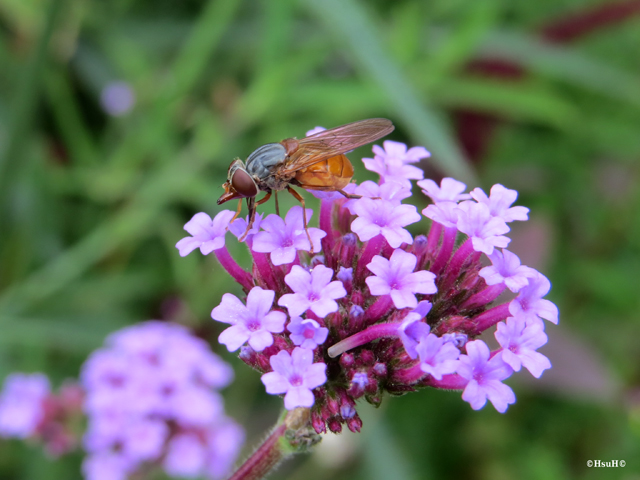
563	63
352	24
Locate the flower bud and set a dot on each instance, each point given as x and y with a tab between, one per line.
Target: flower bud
318	423
347	360
380	370
334	425
354	424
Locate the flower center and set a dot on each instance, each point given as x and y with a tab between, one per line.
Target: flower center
253	326
287	242
314	297
116	381
295	380
308	333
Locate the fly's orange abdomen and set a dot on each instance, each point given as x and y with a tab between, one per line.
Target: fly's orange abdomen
334	172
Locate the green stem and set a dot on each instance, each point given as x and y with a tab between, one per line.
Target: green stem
26	99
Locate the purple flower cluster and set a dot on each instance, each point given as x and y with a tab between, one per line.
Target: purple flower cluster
151	399
376	309
22	404
29	409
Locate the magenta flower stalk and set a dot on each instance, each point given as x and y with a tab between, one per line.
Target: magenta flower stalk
379	310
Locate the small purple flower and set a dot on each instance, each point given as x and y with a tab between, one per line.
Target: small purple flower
401	174
411	330
391	191
456	338
391	162
486	232
312	291
296	375
21	404
396	153
224	443
485	378
254	322
117	98
345	275
450	190
499	201
396	277
519	342
347	411
356	311
206	233
506	269
186	456
282	238
383	217
239	226
315	130
106	466
529	303
307	333
437	356
359	382
143	439
445	213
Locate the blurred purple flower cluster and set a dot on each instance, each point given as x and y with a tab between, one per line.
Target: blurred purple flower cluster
376	310
30	410
151	399
22	404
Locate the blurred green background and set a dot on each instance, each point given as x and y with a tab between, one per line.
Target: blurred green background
541	96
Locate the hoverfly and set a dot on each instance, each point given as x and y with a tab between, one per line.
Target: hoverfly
316	162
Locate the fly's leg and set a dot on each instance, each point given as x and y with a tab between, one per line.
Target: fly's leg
264	199
348	195
251	205
237	211
331	189
298	197
277	206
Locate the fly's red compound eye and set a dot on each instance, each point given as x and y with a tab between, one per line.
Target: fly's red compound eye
242	183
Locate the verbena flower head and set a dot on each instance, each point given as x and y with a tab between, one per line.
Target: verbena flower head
151	399
381	310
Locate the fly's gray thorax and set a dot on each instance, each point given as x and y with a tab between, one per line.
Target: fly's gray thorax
262	162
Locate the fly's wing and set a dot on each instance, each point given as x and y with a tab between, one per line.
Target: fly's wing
336	141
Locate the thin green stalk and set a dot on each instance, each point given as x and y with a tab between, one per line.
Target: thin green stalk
24	106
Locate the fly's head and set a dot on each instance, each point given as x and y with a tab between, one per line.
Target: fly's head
239	184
